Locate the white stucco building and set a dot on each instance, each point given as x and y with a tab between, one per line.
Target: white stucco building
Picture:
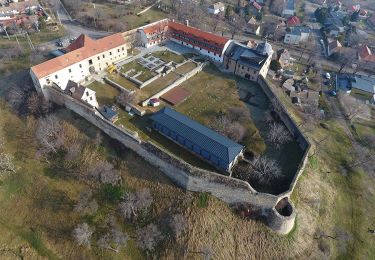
84	57
296	35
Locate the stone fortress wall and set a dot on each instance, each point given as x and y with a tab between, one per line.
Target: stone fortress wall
276	209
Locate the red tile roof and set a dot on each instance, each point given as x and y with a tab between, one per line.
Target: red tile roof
219	40
257	6
89	48
81	41
365	54
293	21
156	27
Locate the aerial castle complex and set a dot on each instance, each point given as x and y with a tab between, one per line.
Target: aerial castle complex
66	80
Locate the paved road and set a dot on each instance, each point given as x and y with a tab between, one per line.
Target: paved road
74	28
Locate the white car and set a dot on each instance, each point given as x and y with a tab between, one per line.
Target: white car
321	41
328	76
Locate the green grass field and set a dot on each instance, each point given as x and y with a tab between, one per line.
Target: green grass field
105	93
168	56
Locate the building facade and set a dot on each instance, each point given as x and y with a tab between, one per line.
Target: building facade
296	35
247	62
208	44
84	57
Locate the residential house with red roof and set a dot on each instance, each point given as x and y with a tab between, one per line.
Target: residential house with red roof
293	21
366	57
84	57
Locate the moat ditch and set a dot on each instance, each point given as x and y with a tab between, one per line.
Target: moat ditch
288	156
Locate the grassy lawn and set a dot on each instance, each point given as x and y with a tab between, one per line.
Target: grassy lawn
105	94
146	73
186	68
122	81
158	84
150	16
212	93
169	56
47	35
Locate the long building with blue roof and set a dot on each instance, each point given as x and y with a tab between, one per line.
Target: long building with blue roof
213	147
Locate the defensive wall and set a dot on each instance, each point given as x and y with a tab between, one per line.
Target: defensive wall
278	211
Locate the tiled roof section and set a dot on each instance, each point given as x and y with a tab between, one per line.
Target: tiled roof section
334	44
198	33
156	27
82	40
198	134
293	21
90	48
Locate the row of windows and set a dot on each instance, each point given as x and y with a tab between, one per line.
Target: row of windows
187	34
90	62
198	42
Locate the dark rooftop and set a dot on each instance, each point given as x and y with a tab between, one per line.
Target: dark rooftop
209	140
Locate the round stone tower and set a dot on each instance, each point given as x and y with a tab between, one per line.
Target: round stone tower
282	216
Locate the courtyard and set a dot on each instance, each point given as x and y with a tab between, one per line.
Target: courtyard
206	97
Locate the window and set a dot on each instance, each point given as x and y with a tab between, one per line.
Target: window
110	53
122	48
70	70
80	65
98	58
56	77
118	50
87	93
103	56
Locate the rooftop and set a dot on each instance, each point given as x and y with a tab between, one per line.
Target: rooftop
289	4
209	140
82	48
254	58
363	83
219	40
298	30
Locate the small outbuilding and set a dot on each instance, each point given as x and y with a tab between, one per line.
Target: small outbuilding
108	113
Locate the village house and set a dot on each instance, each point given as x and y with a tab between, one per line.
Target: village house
293	21
283	57
333	47
247	62
84	57
358	86
252	27
289	8
216	8
296	35
15	8
366	57
82	94
216	149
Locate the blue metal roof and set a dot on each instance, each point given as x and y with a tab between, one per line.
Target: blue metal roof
209	140
108	112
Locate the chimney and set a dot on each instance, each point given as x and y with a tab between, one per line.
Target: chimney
187	23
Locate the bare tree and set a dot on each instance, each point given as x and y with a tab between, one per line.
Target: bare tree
15	97
231	129
50	134
265	169
149	237
104	172
113	240
126	98
352	107
278	135
240	114
277	6
133	203
86	205
178	224
82	234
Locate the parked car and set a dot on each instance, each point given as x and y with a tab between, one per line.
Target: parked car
59	43
328	76
333	93
321	41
